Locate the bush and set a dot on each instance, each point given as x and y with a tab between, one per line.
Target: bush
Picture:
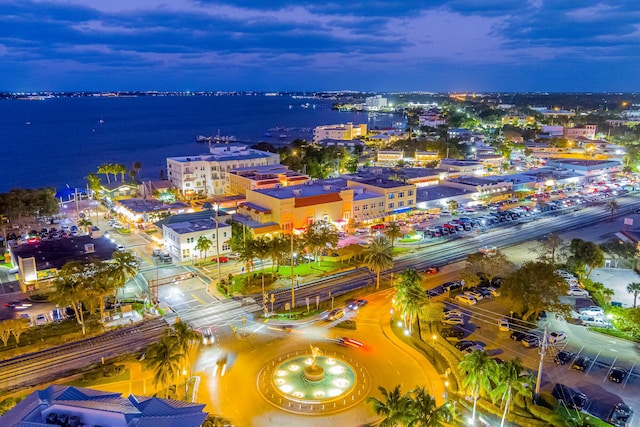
347	324
548	401
542	413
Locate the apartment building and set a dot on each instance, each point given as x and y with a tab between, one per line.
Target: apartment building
264	177
344	132
208	174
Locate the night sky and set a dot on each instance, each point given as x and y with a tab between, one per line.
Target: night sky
375	45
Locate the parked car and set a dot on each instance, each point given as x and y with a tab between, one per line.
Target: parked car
453	332
452	320
464	344
617	375
221	259
621	415
466	299
503	324
577	292
581	363
557	336
432	269
57	315
41	319
563	357
450	286
593	310
517	335
157	252
530	341
571	398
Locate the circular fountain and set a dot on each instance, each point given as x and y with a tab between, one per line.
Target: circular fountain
313	383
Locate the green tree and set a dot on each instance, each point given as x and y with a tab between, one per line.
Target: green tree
510	382
379	256
124	266
203	245
394	407
69	290
393	232
425	413
409	299
477	369
587	253
84	223
550	249
487	265
105	170
164	358
95	183
533	288
620	250
215	421
634	288
186	339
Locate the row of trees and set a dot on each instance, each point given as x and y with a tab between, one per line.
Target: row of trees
19	204
15	327
86	284
115	169
417	408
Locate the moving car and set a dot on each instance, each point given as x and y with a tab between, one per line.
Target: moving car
432	269
220	259
221	366
571	398
349	342
335	314
564	357
503	324
207	336
581	364
354	305
617	375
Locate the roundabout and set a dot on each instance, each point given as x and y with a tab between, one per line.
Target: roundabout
310	382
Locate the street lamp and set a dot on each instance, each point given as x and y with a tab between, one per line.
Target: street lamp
186	390
433	352
446	391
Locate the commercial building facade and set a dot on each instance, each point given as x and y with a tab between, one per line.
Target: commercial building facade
345	132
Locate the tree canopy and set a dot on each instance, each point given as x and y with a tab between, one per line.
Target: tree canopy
25	203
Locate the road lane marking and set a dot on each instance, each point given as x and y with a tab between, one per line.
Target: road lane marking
197	299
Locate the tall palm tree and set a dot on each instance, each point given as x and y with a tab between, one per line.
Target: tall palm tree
425	413
186	339
104	169
124	266
612	206
203	245
393	232
634	288
278	248
69	292
137	167
477	368
379	256
394	407
215	421
94	182
410	298
508	383
164	358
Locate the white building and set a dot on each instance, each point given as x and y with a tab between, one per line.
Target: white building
375	102
207	174
181	238
342	132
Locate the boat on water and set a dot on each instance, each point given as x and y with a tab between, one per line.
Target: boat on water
216	138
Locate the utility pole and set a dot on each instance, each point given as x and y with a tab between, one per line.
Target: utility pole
542	351
218	240
293	280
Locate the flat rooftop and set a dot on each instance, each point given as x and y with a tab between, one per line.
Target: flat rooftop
57	252
436	192
195	226
149	205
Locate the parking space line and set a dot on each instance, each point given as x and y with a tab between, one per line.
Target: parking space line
197	299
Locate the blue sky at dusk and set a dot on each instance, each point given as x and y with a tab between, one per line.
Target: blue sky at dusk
376	45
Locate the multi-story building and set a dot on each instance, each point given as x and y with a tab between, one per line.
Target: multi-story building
389	157
425	156
207	174
519	120
339	132
181	234
375	102
588	132
263	177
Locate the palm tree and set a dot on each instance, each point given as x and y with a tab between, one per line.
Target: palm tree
379	256
104	169
394	407
611	205
164	358
393	232
634	288
186	339
69	292
477	368
137	167
509	382
124	266
94	182
203	244
215	421
425	412
410	298
85	223
278	248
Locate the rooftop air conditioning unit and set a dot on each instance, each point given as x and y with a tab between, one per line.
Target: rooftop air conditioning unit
89	248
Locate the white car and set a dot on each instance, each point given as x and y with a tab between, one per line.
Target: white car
474	294
503	324
466	299
593	310
41	319
577	292
454	313
557	336
493	291
453	320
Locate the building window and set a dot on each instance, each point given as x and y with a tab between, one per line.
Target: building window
373	206
401	194
356	208
365	207
185	253
400	204
226	247
410	202
381	204
391	196
390	205
410	192
224	234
